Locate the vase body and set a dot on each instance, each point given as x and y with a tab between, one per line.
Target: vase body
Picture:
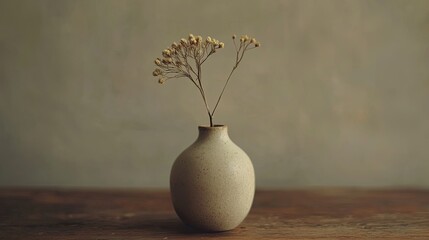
212	182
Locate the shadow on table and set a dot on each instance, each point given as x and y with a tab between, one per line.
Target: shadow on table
166	226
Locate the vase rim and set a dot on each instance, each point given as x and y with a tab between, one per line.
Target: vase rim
216	126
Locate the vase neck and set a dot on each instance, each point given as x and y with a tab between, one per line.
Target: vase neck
216	132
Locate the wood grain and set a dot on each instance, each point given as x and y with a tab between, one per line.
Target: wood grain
148	214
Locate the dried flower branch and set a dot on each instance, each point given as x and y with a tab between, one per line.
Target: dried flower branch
185	59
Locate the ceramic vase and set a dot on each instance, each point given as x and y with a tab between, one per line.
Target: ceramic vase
212	182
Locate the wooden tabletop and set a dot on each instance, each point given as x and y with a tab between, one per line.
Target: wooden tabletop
148	214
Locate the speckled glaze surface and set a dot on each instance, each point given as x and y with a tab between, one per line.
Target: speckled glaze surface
212	182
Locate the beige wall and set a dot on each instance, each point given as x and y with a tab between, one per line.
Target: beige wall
337	95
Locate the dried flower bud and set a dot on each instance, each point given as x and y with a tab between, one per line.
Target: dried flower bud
184	42
174	45
233	36
166	53
199	39
192	39
253	40
244	38
209	40
257	44
161	80
157	72
158	62
221	45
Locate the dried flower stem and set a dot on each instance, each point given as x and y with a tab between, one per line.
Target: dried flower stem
240	52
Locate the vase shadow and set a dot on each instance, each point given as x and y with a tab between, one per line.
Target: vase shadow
167	226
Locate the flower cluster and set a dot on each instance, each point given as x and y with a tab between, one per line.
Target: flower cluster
177	59
184	59
246	39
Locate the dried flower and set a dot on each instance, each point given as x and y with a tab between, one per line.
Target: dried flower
244	38
178	61
167	61
157	72
166	53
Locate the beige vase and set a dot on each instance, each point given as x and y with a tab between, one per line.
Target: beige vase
212	182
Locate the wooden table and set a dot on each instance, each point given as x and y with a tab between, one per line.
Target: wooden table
148	214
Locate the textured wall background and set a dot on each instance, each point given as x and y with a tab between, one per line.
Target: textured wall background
338	94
